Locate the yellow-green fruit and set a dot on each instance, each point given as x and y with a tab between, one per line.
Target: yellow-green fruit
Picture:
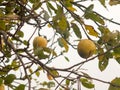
39	42
2	87
86	48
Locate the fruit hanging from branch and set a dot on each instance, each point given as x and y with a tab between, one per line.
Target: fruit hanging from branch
86	48
39	41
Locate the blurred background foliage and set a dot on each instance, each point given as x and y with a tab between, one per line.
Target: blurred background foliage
68	21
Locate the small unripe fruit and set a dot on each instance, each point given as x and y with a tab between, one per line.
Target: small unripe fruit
39	42
86	48
2	87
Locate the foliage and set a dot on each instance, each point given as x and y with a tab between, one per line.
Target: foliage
113	83
19	63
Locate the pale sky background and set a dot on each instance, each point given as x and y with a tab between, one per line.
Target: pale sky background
112	70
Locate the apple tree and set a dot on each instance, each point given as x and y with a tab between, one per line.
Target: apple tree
63	23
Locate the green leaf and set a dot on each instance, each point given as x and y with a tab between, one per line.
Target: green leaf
89	8
103	29
115	84
44	83
53	72
50	7
37	73
20	33
15	65
62	23
40	53
59	11
2	25
50	84
32	1
30	70
117	50
101	51
118	59
20	87
46	15
85	74
76	30
116	54
1	81
50	51
25	42
66	34
7	53
10	7
67	82
5	70
87	83
36	5
9	79
66	58
43	89
95	17
102	2
63	43
103	63
1	1
67	3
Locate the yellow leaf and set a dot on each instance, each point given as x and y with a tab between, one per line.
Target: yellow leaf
114	2
63	43
91	30
37	73
50	51
53	53
63	23
49	25
49	76
71	9
43	89
53	73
